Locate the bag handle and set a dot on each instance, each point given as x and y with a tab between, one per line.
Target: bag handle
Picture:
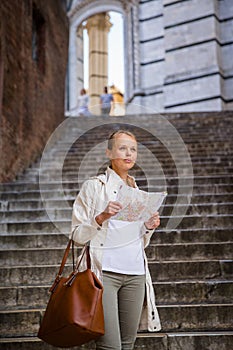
86	250
75	272
75	268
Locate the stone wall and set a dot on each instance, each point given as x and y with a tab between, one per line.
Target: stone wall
34	45
186	48
178	53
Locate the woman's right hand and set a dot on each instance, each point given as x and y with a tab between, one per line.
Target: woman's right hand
112	209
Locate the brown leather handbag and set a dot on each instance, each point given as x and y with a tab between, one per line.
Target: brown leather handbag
74	314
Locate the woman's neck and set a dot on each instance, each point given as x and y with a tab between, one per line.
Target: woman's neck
121	173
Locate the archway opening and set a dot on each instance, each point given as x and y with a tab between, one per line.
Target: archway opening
113	75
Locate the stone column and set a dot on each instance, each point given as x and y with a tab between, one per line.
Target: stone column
98	27
79	48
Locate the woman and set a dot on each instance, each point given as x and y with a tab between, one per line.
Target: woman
83	101
117	248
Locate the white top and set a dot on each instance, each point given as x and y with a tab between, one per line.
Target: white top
123	248
83	101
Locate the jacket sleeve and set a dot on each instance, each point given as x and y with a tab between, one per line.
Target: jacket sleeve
146	235
84	227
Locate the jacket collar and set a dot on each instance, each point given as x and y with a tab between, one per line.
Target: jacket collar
110	173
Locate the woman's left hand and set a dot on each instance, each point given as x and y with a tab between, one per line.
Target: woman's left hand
153	222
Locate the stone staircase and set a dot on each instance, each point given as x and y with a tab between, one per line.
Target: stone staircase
191	264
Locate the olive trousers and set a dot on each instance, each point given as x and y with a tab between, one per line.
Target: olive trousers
123	299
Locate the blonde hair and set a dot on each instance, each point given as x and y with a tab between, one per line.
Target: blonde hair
113	135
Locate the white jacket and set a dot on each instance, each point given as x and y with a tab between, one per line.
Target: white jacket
92	199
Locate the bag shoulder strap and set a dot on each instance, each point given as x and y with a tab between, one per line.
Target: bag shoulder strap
86	251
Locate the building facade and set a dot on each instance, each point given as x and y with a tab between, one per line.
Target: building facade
33	63
178	53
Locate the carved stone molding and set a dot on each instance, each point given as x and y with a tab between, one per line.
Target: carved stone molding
80	4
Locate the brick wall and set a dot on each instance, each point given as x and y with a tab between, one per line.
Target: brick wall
34	45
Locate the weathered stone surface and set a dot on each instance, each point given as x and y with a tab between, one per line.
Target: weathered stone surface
25	275
32	241
176	341
196	317
16	323
24	257
174	318
193	292
176	252
167	293
192	236
190	270
191	266
201	341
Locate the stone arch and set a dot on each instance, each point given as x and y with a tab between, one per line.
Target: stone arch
82	10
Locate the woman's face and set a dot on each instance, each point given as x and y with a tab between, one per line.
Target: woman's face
123	154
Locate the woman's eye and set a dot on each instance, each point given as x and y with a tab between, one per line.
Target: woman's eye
123	148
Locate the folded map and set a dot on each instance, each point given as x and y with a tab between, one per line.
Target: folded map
138	205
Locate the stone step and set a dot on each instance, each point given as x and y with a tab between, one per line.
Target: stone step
31	240
191	236
95	138
88	136
46	240
190	252
34	227
51	194
191	266
193	121
155	252
167	293
184	121
30	215
195	221
193	292
167	165
203	155
33	256
160	272
201	208
216	151
198	157
207	317
100	162
75	160
26	204
207	190
85	174
64	150
191	270
154	181
158	172
196	317
31	275
194	147
185	222
87	133
147	341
